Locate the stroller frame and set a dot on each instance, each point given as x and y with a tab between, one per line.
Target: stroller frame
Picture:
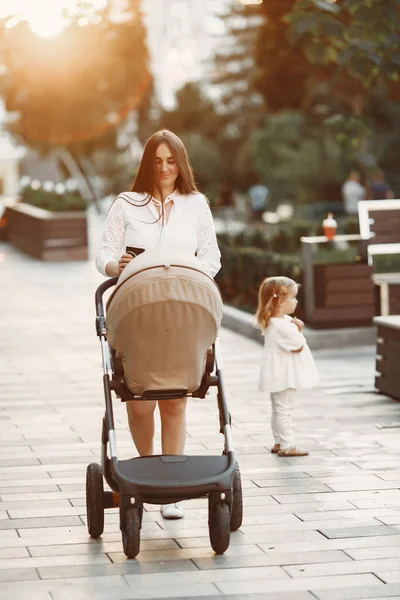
173	477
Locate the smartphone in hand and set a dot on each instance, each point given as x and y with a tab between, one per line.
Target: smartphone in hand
133	251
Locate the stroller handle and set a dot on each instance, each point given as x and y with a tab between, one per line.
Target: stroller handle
100	320
99	294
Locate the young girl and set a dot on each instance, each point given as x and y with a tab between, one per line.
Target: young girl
287	363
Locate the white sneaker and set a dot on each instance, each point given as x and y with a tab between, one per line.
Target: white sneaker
172	511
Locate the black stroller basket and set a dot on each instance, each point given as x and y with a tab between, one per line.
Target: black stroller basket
160	479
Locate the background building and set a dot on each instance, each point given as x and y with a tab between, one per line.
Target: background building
182	39
10	157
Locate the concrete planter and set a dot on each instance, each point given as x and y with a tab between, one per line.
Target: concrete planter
343	296
52	236
337	294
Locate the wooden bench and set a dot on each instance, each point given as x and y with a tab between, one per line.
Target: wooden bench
388	285
380	226
387	379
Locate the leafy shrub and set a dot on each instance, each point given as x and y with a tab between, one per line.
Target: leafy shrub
69	201
244	268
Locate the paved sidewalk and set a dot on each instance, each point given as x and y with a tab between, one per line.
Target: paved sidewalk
326	526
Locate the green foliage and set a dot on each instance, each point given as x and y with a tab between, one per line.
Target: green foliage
69	201
387	263
203	130
259	252
351	46
234	69
206	160
329	77
283	237
384	118
194	113
296	159
244	268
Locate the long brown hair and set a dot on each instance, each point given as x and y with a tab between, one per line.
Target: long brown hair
147	179
271	291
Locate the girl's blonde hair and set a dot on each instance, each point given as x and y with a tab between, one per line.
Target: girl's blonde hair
271	291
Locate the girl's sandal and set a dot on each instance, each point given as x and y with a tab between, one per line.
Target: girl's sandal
275	449
292	452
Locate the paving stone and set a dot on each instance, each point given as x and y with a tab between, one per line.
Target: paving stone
342	568
87	585
55	561
31	523
18	552
390	576
343	581
62	511
269	559
98	547
360	593
362	485
18	574
193	553
52	531
373	553
265	596
43	540
359	532
10	489
127	567
347	544
289	537
206	590
36	504
394	520
379	513
218	576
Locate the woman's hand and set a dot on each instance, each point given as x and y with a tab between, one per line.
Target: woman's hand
123	261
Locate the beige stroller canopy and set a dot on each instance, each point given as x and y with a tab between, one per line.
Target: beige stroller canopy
162	317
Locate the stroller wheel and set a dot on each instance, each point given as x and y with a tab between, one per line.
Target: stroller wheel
219	520
237	501
131	531
95	500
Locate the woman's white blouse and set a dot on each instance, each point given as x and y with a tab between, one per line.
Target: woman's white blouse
281	368
131	221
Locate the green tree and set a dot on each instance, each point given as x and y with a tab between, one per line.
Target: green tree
234	71
342	50
196	120
69	94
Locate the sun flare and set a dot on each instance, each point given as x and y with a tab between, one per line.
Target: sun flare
46	18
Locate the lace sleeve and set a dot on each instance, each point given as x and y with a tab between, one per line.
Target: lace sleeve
207	246
113	236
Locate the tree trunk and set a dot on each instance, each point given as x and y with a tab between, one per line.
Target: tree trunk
76	170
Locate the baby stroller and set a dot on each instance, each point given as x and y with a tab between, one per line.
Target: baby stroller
160	343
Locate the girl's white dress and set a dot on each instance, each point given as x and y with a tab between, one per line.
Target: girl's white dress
281	368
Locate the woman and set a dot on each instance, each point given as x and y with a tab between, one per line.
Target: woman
163	208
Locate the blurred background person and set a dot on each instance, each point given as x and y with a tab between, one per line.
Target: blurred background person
258	200
380	189
353	192
226	202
